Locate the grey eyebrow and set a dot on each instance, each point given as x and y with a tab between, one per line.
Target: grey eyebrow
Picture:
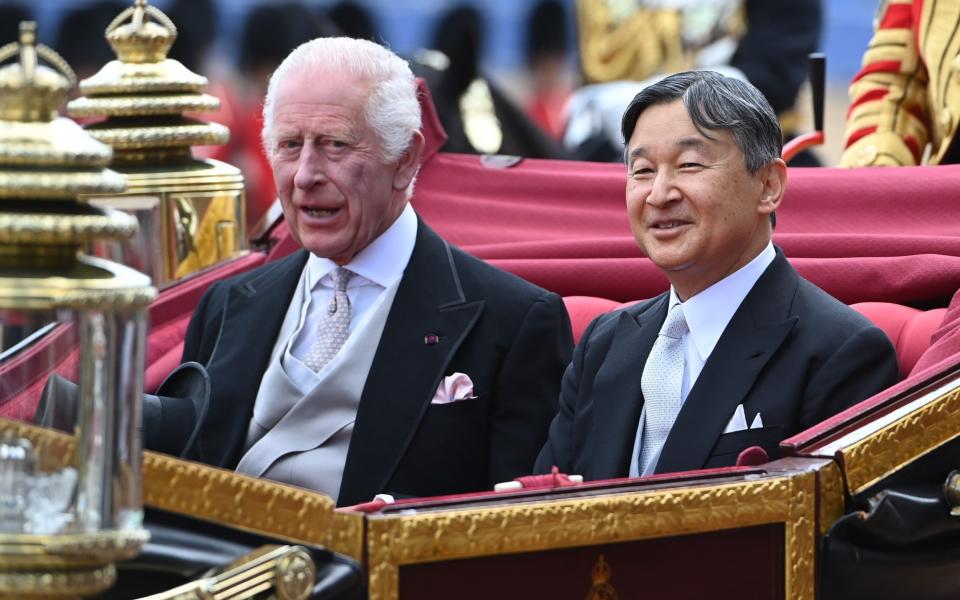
687	142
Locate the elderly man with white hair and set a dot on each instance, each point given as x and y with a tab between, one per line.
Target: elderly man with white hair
379	358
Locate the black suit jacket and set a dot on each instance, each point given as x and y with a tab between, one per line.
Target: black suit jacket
512	338
791	352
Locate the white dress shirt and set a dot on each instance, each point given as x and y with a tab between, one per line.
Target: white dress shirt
376	267
708	314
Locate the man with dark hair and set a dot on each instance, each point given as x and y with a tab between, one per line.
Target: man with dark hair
741	351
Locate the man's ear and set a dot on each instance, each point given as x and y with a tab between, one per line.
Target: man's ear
774	181
409	162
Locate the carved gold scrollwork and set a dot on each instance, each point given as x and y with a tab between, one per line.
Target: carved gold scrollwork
394	540
886	449
831	494
221	496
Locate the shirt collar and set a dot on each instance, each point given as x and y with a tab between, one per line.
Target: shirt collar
382	261
709	312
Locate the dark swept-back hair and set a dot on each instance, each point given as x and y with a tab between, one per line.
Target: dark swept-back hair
716	102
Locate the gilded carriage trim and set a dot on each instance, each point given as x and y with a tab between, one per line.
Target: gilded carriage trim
888	443
57	583
222	496
54	449
830	496
395	540
249	503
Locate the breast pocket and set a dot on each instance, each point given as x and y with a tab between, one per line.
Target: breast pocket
730	445
449	451
455	433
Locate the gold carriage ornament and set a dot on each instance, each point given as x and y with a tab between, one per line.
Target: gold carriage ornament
63	523
192	212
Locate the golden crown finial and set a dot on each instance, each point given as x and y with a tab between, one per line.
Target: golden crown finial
601	571
601	576
29	91
144	83
141	40
28	52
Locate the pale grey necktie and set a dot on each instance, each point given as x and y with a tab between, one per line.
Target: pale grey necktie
334	326
661	382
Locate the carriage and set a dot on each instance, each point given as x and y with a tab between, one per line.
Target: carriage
864	504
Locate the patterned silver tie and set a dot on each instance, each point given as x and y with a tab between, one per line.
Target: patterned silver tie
661	382
334	326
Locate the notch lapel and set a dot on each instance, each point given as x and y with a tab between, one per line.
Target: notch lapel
406	370
617	397
758	328
237	364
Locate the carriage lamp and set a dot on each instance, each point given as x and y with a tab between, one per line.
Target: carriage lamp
191	211
68	511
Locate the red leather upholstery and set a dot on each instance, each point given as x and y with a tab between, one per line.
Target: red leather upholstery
909	329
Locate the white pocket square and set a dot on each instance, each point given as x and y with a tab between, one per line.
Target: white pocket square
453	388
738	422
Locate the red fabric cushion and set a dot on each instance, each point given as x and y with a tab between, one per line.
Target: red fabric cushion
909	329
158	369
563	225
583	309
945	341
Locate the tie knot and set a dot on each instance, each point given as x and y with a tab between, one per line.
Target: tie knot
341	277
676	324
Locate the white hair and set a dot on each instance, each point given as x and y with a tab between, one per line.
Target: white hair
392	109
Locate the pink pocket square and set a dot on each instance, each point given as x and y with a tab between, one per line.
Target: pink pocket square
453	388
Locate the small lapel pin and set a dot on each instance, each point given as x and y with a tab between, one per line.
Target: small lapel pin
431	338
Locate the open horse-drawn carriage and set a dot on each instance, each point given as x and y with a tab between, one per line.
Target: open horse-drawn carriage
860	505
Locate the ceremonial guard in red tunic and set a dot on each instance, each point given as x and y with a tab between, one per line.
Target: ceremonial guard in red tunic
907	94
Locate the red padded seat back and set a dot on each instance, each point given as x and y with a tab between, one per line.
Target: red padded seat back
583	309
909	329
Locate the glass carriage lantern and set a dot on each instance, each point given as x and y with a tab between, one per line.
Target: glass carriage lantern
146	106
65	516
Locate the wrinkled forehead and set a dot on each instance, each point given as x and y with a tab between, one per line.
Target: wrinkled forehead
318	83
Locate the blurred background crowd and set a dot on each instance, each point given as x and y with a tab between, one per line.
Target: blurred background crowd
505	74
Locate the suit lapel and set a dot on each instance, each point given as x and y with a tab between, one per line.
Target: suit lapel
237	365
618	399
406	369
756	331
